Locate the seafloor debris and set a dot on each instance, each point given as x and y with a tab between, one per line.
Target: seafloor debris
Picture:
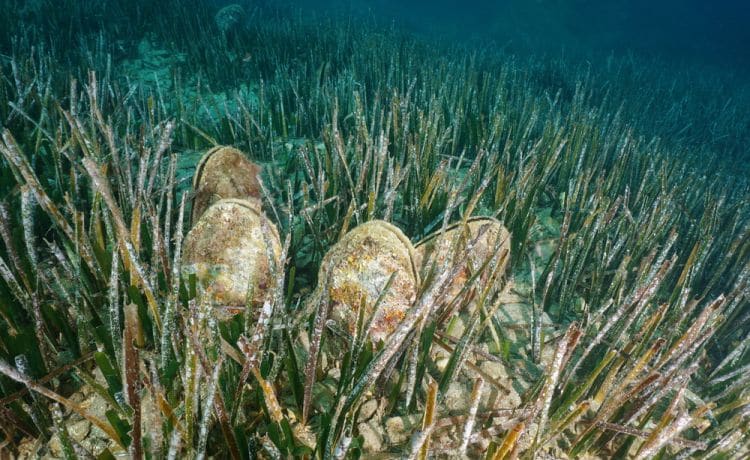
224	172
371	266
232	250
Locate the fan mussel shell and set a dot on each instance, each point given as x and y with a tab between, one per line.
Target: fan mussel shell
222	173
481	243
356	271
232	250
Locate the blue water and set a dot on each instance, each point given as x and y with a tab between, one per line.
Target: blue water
688	31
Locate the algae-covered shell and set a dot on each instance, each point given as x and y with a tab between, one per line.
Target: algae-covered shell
443	250
358	268
223	173
230	250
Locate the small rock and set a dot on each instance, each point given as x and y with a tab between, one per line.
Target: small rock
29	448
456	398
372	435
334	373
77	397
457	326
493	397
55	447
441	362
79	430
304	434
399	429
368	410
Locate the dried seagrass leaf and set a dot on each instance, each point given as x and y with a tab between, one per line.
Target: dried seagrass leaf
421	439
223	173
133	338
510	442
476	393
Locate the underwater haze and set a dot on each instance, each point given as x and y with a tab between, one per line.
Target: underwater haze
374	229
691	31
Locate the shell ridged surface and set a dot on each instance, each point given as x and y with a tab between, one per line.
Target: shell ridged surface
359	266
222	173
491	244
229	249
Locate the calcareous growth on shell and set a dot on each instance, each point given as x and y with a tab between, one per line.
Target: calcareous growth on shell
222	173
358	268
230	250
480	242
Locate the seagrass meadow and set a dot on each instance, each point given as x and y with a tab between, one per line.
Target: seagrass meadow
619	329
